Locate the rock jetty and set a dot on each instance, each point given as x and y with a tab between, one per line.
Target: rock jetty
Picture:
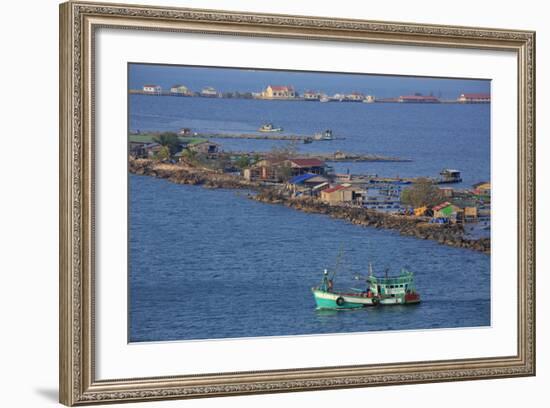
451	235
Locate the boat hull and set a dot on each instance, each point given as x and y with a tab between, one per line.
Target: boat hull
336	300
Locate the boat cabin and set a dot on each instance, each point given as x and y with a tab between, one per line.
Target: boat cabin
392	286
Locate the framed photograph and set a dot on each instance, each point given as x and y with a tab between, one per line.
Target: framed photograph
256	203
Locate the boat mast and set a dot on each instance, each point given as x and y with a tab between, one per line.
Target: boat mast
338	260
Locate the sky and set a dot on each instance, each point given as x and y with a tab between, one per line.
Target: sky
251	80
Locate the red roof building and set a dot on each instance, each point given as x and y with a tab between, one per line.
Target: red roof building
334	189
441	206
307	165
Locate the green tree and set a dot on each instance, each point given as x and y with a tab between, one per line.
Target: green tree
169	140
422	193
242	162
163	153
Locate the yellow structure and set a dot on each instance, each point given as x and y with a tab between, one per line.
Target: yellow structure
278	92
470	213
342	193
483	188
420	211
180	89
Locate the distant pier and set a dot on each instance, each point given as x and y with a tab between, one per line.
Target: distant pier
327	157
256	136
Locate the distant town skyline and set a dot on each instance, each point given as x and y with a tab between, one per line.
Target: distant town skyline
254	80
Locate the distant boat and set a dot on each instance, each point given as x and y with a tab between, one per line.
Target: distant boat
449	176
326	135
388	290
324	99
268	127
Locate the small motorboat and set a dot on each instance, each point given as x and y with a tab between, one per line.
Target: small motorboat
388	290
326	135
268	127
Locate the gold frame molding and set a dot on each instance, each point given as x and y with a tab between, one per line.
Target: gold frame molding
78	22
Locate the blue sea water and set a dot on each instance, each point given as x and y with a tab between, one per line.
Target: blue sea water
433	136
214	264
210	264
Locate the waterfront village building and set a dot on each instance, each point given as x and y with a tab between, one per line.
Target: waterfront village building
279	92
448	211
369	99
302	166
185	132
383	196
204	147
307	184
355	97
474	98
417	99
312	95
180	90
342	194
278	170
268	170
470	214
209	92
144	150
152	89
137	149
483	188
447	192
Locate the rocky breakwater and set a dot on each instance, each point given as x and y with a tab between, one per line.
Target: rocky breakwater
452	235
183	174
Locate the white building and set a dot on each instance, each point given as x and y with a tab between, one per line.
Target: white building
153	89
209	92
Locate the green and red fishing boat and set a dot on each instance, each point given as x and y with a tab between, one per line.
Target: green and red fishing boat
378	291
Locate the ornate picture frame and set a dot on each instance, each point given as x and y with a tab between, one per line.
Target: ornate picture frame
78	24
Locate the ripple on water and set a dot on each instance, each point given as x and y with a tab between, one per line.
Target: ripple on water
214	264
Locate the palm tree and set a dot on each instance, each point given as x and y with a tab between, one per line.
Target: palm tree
169	140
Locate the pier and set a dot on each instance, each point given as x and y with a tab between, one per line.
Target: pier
328	157
257	136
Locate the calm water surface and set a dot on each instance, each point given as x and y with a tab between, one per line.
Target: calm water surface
434	136
214	264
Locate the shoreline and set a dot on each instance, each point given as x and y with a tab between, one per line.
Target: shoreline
389	100
450	235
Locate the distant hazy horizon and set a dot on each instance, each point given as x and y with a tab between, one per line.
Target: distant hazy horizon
255	80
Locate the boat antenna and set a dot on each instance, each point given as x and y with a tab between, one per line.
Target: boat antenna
370	268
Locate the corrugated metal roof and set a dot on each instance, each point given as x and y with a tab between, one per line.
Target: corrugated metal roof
442	205
333	189
318	186
308	162
301	178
